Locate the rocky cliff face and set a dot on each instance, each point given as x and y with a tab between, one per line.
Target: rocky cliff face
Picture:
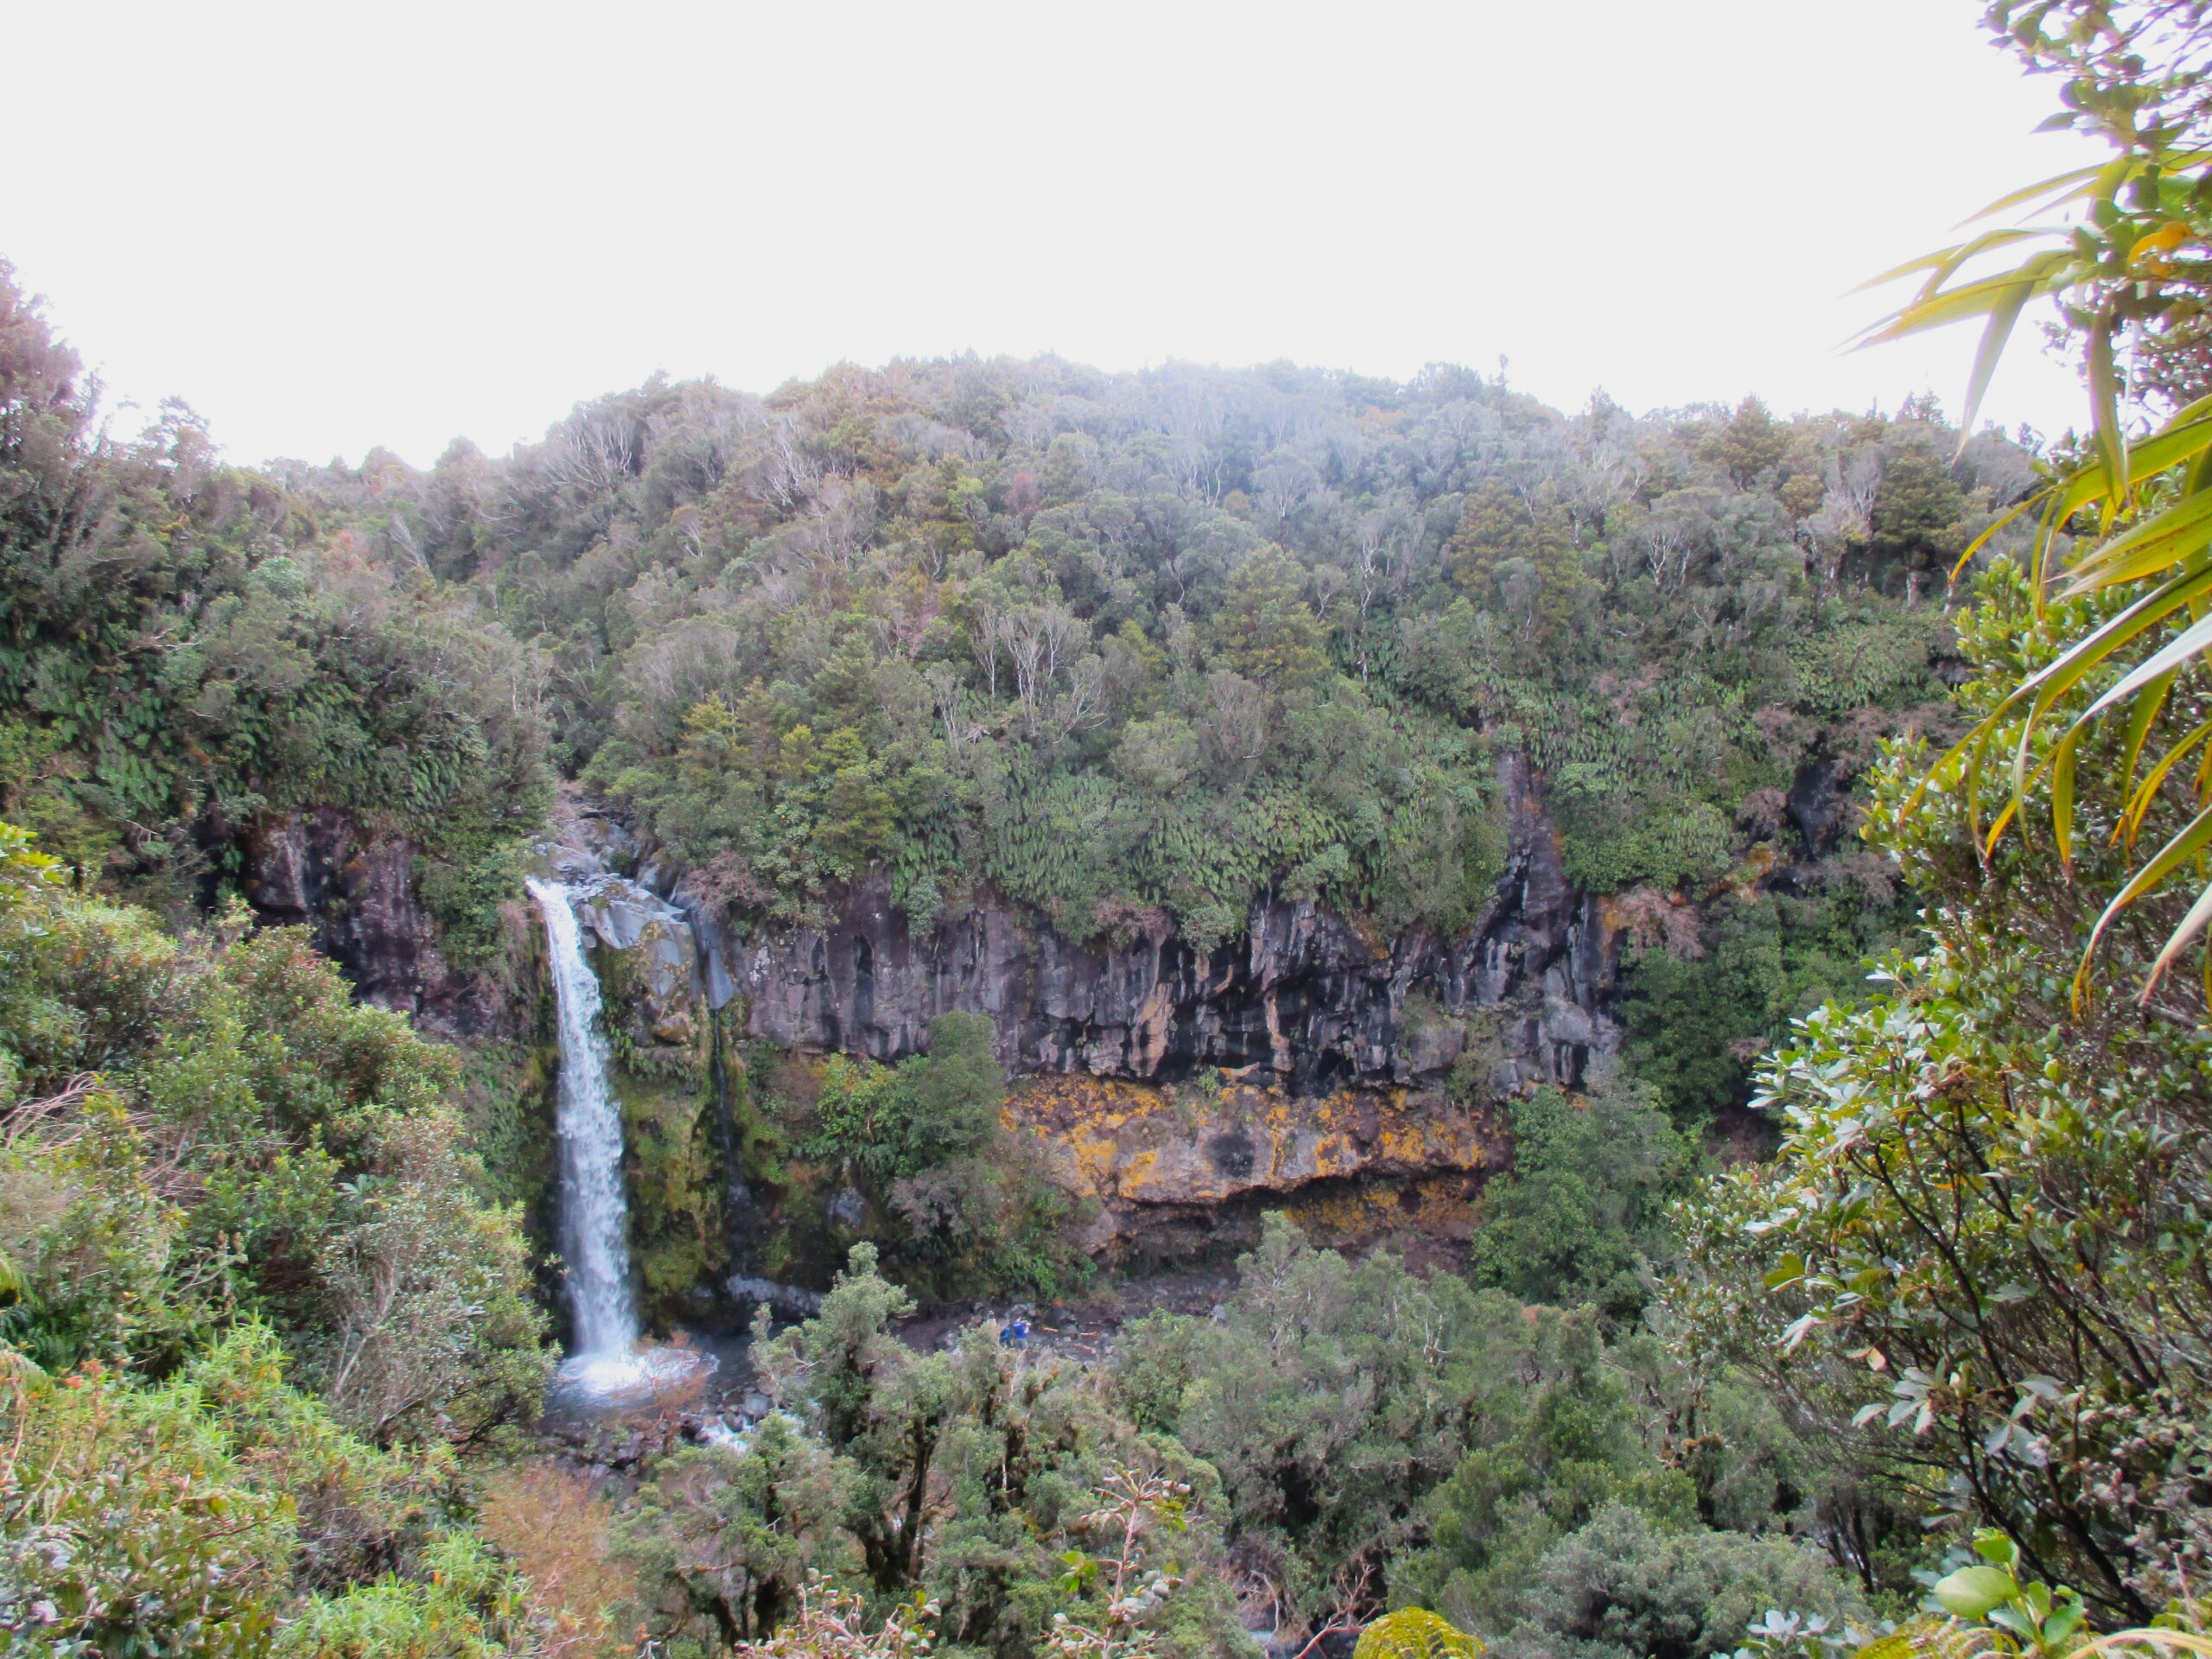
1180	1094
357	891
1305	1001
1170	1170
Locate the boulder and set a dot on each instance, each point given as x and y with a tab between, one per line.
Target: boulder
660	993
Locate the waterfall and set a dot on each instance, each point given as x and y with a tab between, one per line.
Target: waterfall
594	1220
606	1365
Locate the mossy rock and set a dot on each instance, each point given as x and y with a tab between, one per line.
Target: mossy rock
673	1175
508	1100
656	1023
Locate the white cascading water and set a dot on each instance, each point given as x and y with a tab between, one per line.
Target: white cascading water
595	1219
606	1359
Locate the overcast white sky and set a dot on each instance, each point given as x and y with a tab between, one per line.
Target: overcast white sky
330	227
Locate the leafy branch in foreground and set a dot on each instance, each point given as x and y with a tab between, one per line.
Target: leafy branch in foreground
2126	256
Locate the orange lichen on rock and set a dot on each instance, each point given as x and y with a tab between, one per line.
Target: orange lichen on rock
1370	1158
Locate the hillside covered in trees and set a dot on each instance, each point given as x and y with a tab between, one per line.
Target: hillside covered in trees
1848	1296
1126	650
1118	643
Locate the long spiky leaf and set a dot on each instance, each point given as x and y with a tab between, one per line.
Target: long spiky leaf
2067	182
2061	798
2184	437
1944	261
2104	401
2138	803
2148	702
2178	941
2191	641
1992	346
1983	540
2165	537
2191	840
2077	661
1975	299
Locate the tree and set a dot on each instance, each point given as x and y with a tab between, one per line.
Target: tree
1918	521
1576	1217
834	1623
958	1088
1976	1241
1558	1439
734	1539
927	1110
1267	632
227	1134
1514	550
1156	756
426	1294
1415	1633
1626	1588
968	1478
1748	443
223	1513
1379	1436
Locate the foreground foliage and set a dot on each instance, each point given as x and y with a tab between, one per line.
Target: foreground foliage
226	1513
1983	1237
965	1475
2126	516
1344	1439
216	1170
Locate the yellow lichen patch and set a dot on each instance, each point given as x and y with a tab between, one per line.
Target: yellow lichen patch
1367	1154
1437	1207
1758	863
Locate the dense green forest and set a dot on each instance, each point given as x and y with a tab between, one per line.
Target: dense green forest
1119	648
1918	1367
1117	642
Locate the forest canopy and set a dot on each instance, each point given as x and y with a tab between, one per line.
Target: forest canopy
1123	645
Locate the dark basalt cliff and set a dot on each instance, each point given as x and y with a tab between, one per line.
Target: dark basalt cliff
357	889
1310	1055
1306	1001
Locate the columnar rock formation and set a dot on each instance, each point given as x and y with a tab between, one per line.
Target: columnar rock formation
1307	1056
1306	1001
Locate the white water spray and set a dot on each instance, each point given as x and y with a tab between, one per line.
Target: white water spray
595	1219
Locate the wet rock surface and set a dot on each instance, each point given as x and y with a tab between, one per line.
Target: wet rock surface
665	1002
1820	804
786	1301
357	891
